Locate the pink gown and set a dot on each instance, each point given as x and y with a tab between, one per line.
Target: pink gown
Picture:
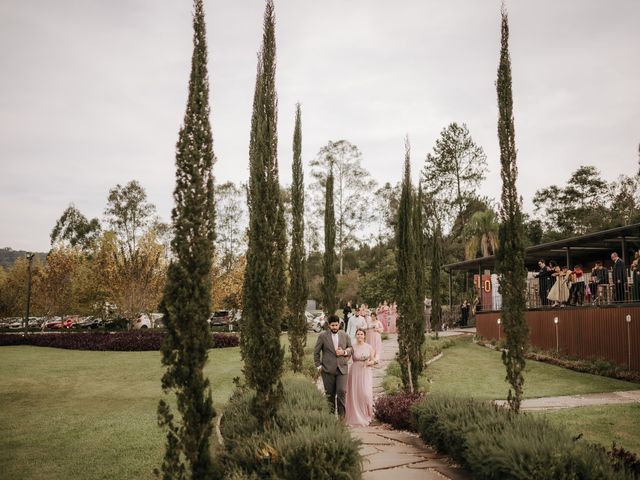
382	316
359	401
393	314
374	338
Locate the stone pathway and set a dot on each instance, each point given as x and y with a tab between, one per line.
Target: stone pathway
397	455
571	401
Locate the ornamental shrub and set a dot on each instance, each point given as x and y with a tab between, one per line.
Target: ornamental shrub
495	443
305	440
396	409
131	341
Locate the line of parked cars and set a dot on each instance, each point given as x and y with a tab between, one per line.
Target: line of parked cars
227	319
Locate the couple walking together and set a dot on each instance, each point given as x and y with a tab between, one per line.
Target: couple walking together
351	388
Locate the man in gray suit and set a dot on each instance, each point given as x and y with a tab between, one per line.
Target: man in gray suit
336	349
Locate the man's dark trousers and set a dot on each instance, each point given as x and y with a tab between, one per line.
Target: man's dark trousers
335	388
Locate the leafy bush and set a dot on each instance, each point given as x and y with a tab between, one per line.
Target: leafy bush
396	409
494	443
130	341
305	441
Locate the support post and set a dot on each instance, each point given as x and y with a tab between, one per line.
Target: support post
568	258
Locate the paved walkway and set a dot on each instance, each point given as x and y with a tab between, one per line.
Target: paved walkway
571	401
397	455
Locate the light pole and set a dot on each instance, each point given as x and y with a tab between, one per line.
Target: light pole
555	320
26	318
499	322
629	340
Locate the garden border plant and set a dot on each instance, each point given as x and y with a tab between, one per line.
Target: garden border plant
304	441
131	341
493	442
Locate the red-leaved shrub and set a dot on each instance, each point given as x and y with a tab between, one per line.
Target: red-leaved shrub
396	409
131	341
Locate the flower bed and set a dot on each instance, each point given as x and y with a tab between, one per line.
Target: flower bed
131	341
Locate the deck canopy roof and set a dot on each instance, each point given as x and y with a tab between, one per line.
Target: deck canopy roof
569	251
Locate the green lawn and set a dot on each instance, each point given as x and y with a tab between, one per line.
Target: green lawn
73	414
472	370
603	424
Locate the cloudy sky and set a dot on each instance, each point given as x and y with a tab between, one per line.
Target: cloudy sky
92	92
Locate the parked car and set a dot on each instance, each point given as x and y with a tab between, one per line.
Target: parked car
143	321
118	323
157	320
89	323
319	323
220	318
56	323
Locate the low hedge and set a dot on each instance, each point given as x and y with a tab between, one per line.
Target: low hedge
130	341
306	441
494	443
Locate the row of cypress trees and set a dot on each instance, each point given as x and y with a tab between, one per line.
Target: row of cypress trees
187	297
510	256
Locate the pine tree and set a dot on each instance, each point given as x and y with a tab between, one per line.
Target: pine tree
263	289
330	282
187	296
406	281
510	255
297	294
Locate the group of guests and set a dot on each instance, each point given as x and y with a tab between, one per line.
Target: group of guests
560	286
385	312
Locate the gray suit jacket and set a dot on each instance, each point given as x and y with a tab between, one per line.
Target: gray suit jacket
330	362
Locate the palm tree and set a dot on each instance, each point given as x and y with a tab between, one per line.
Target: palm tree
482	235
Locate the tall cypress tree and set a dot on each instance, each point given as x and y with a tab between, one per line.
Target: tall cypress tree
406	281
187	297
436	264
263	290
510	256
421	287
330	281
297	294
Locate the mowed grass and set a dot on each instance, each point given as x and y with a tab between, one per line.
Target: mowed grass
92	415
602	424
471	370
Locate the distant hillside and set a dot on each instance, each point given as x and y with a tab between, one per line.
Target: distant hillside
8	256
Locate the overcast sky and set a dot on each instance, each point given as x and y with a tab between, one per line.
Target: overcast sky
92	92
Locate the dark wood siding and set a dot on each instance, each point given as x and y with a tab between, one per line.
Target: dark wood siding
581	332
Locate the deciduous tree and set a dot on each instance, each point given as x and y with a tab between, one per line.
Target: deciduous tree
353	189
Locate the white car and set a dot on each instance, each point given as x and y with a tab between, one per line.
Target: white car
142	321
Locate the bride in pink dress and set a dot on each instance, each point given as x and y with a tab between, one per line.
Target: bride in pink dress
359	401
374	329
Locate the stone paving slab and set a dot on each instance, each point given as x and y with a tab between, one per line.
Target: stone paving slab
572	401
392	454
403	473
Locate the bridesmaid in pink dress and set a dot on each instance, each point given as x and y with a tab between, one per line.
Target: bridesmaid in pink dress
382	316
359	401
374	329
393	315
